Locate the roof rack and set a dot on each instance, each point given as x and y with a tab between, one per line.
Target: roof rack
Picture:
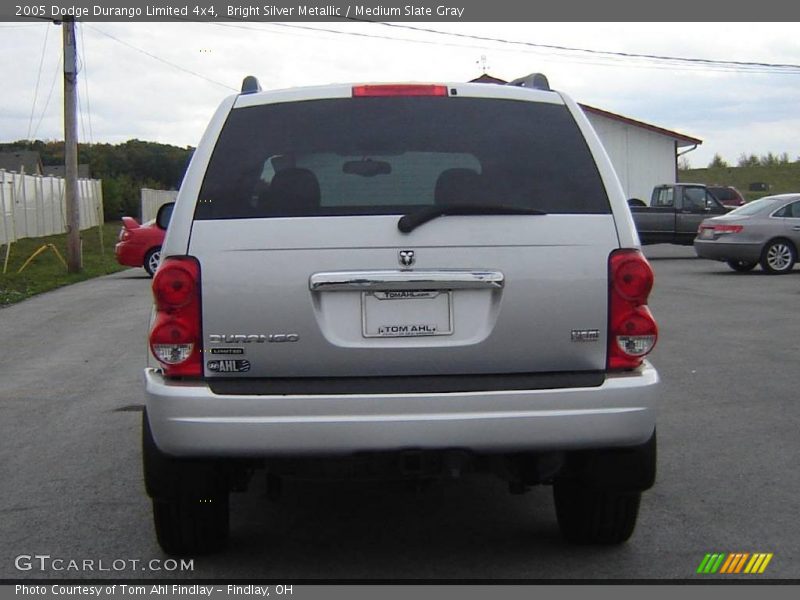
537	81
250	85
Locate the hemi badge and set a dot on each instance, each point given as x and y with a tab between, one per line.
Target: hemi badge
585	335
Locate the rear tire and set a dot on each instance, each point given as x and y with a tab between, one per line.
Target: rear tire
190	499
742	266
151	260
778	257
191	526
597	498
592	516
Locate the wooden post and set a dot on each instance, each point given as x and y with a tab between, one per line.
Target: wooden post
71	147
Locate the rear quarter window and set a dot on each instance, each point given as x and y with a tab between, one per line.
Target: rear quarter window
364	156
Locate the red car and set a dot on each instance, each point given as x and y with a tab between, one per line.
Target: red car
727	195
139	245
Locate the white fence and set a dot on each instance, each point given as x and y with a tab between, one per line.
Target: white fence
152	201
34	206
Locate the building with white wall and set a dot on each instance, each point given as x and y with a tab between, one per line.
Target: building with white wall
643	155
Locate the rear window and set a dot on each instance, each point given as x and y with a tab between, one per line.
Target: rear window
724	194
367	156
753	207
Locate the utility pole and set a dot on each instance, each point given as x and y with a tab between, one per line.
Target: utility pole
71	147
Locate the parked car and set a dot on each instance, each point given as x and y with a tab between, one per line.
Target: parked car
675	211
358	280
765	231
727	195
140	245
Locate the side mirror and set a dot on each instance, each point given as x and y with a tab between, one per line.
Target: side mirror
164	215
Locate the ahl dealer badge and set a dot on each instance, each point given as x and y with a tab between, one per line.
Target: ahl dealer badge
228	366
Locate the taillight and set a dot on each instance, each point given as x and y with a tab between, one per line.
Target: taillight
728	228
175	338
632	330
406	89
714	231
124	234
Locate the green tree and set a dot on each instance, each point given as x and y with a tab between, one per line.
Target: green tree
717	163
748	161
769	160
124	168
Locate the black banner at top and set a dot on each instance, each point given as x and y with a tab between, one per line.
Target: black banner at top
401	10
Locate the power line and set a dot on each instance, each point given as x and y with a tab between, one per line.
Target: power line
38	79
86	85
376	37
158	58
677	59
49	95
82	120
78	70
337	32
595	57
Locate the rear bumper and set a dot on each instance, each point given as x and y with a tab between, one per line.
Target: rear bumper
129	255
188	419
720	250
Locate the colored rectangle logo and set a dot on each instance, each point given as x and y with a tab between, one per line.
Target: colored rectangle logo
734	563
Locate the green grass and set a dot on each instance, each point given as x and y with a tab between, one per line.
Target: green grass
46	271
781	178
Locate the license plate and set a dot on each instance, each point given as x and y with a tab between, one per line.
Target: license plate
406	313
706	233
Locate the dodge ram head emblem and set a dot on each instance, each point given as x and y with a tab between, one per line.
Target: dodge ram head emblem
406	257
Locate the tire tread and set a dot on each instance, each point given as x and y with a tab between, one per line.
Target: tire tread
592	516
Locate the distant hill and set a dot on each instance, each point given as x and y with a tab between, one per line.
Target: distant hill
780	179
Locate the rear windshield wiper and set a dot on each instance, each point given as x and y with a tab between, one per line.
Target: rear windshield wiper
411	221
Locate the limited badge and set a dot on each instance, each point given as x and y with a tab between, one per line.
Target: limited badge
228	366
228	351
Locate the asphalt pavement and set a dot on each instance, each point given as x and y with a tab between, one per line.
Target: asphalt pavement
70	474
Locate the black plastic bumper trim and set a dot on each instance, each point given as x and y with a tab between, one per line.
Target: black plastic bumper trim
419	384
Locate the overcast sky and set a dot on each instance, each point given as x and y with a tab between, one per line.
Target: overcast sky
161	82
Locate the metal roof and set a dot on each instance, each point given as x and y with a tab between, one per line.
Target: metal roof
682	139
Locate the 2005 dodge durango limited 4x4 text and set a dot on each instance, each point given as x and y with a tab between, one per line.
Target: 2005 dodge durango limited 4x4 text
400	281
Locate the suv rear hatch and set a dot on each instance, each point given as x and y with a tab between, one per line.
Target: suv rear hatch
296	232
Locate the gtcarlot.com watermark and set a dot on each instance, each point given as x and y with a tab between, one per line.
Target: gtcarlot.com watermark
47	563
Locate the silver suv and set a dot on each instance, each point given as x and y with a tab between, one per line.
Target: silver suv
400	281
